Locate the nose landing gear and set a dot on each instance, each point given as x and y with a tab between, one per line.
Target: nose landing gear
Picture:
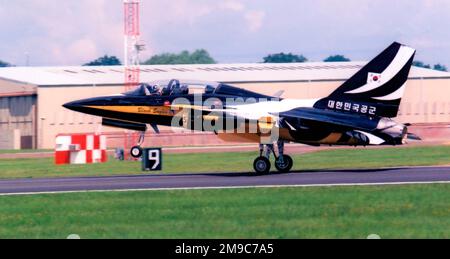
137	151
283	163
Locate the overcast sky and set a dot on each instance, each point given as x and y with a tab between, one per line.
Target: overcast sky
73	32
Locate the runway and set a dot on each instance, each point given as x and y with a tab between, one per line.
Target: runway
412	175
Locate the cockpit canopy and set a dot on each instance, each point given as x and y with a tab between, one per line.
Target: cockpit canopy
179	88
173	87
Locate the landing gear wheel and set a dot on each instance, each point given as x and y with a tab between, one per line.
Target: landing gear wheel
286	165
136	152
262	165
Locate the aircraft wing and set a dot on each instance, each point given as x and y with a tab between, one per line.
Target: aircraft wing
295	118
301	117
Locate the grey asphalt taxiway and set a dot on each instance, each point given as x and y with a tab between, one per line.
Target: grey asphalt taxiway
412	175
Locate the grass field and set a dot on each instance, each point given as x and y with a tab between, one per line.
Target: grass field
420	211
235	162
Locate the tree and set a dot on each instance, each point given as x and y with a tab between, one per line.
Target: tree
337	58
4	64
285	58
105	61
440	67
421	64
200	56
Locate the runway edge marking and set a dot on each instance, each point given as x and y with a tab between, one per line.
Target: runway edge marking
225	188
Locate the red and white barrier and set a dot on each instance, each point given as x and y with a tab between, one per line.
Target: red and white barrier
80	149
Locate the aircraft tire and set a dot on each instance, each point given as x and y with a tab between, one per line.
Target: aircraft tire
287	166
136	152
262	165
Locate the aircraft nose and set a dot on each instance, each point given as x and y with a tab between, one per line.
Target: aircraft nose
74	106
88	106
79	106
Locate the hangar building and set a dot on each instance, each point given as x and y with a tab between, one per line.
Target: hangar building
31	114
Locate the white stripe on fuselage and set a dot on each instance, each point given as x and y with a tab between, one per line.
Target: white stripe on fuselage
259	110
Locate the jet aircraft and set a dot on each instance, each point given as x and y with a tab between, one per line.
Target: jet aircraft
359	113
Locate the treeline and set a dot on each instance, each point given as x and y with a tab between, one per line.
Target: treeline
438	66
202	56
4	64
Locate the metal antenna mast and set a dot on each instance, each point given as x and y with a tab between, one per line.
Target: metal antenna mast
132	43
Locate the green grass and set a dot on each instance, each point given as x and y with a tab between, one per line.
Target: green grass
419	211
235	162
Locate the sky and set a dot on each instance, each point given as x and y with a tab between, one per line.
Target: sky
74	32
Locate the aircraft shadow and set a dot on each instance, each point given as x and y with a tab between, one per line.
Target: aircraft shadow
252	174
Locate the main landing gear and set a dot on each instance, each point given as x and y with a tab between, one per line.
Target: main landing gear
137	151
283	163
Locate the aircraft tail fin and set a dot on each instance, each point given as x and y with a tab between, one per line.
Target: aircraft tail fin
377	89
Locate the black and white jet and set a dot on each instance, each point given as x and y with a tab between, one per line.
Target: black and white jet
358	113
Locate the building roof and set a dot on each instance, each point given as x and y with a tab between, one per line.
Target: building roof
229	73
13	90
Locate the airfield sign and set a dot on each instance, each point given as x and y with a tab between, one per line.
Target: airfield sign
152	160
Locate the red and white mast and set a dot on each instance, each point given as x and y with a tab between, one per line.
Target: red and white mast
132	45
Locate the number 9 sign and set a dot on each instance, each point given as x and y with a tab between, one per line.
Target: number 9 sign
152	159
